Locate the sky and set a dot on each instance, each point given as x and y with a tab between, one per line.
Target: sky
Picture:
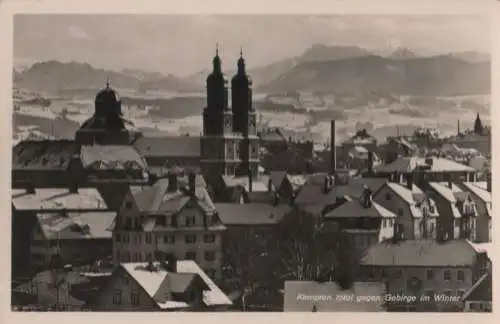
185	44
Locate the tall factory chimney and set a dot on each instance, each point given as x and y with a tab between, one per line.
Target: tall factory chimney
333	153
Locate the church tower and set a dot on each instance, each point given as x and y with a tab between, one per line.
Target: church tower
244	120
107	126
478	126
218	149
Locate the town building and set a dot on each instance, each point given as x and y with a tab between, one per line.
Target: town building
363	221
425	169
166	217
167	285
416	211
458	216
28	205
483	202
75	237
442	272
479	297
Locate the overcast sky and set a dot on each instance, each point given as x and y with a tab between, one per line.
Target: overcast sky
185	44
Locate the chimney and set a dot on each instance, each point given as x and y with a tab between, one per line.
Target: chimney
192	183
73	187
333	153
370	162
172	182
250	180
30	189
488	182
367	197
458	127
326	185
270	185
450	183
170	263
409	181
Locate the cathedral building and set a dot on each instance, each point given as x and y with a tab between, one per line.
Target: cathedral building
229	145
108	149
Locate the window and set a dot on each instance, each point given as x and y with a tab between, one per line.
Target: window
128	205
125	238
128	222
190	239
388	196
161	221
118	238
429	274
148	238
169	239
447	275
209	238
384	222
174	220
138	257
134	298
117	298
137	238
210	256
191	256
460	275
190	220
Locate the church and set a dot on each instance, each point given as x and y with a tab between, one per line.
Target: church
108	150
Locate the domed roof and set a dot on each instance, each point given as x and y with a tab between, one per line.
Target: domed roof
107	95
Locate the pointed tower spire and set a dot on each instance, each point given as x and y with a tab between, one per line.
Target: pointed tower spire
478	125
107	82
241	62
216	61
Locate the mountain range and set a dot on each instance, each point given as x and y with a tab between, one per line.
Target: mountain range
332	69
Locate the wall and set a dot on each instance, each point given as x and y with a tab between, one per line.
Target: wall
121	282
399	207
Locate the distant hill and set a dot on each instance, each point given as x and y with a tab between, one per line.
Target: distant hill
472	56
402	53
438	75
54	76
265	74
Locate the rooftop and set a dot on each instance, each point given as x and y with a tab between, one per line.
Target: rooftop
153	281
112	157
251	213
297	297
354	208
168	146
35	155
421	253
85	225
58	199
312	192
481	290
409	164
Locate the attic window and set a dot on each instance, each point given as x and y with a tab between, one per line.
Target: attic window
128	205
388	196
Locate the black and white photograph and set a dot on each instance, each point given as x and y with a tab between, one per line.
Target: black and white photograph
251	163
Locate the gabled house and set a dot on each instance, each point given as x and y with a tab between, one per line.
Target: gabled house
416	212
321	190
168	218
363	220
75	237
483	201
457	211
168	285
